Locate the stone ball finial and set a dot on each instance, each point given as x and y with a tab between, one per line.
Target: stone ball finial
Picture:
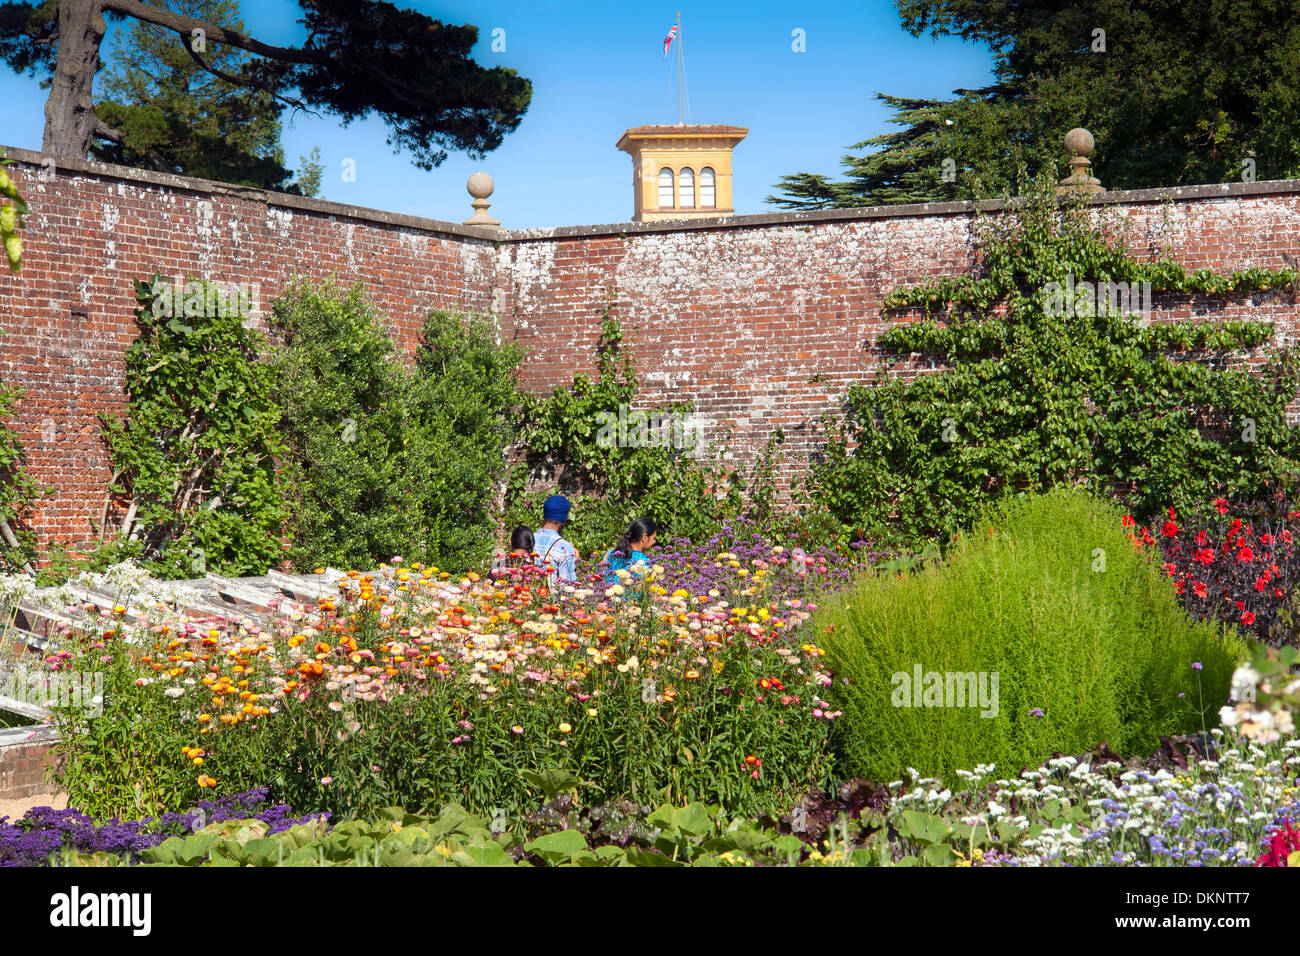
1079	144
480	186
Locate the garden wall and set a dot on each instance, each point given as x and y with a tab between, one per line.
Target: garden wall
761	321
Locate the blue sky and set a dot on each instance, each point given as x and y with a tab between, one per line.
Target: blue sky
596	70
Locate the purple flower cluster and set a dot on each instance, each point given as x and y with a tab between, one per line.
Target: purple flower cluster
44	831
790	573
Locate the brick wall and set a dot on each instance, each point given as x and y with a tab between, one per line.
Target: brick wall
24	763
93	229
738	316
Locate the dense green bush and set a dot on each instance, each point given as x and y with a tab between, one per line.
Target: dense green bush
194	457
1031	398
382	461
1086	636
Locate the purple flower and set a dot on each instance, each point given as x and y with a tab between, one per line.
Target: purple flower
1036	712
1196	665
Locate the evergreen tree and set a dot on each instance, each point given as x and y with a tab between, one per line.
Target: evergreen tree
1174	94
174	116
360	58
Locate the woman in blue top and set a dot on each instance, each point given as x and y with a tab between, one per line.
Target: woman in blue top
631	548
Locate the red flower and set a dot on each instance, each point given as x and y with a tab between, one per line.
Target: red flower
1204	556
1283	843
1128	521
1202	538
1198	588
751	760
1170	529
1170	510
1248	618
1245	554
1221	505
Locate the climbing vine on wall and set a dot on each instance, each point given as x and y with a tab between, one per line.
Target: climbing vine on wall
619	462
194	457
1049	379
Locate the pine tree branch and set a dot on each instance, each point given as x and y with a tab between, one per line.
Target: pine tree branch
245	83
187	25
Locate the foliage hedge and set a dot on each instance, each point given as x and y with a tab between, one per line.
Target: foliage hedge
381	460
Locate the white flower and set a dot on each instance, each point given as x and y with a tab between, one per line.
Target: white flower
995	810
174	691
1244	681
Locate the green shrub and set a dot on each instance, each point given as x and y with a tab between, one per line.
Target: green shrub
382	461
1052	598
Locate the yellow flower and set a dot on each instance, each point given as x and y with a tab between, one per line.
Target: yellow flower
591	711
565	728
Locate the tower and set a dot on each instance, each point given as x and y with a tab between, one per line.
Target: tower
681	172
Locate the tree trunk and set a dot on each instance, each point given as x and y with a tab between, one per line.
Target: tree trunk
69	111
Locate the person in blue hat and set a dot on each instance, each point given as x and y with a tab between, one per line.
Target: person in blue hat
550	547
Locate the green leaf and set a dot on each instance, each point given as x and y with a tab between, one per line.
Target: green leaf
557	847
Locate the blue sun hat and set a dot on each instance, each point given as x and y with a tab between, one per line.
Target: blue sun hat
556	508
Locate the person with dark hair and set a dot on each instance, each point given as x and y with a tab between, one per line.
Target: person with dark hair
552	550
631	548
521	549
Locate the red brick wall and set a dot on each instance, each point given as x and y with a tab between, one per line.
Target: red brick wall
740	319
735	316
24	765
92	229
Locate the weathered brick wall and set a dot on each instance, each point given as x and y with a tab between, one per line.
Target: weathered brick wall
93	229
26	762
761	321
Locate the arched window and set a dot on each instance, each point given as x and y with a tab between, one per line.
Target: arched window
665	188
686	187
708	194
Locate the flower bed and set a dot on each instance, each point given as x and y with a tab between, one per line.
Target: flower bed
1243	568
411	688
1175	809
43	831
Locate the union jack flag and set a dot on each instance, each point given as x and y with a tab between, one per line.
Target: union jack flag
668	40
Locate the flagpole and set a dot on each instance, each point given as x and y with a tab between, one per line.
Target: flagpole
679	68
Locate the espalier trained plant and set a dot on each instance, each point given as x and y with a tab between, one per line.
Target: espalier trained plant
194	458
1043	387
